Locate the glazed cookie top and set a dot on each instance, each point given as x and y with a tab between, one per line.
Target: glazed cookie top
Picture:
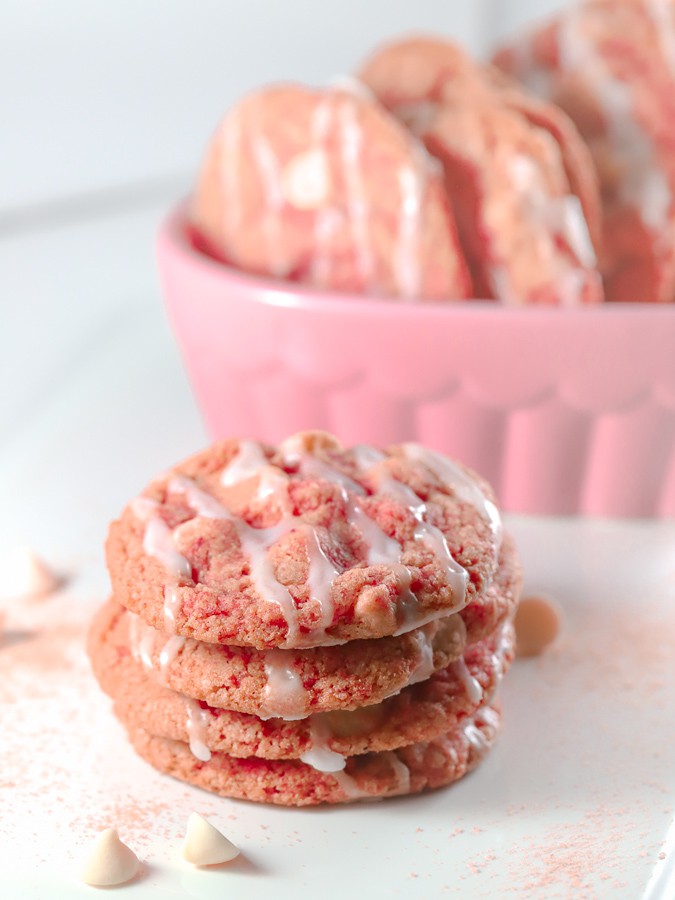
324	187
307	544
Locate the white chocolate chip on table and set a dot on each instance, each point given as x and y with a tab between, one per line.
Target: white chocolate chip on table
110	862
204	845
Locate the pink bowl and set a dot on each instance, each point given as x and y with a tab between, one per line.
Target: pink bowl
563	410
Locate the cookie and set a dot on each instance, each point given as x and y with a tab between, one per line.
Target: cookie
426	709
507	164
418	767
276	683
325	188
307	544
611	68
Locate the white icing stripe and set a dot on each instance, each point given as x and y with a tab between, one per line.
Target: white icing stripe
169	652
411	181
320	756
425	664
427	534
662	14
381	548
350	786
464	486
402	774
248	461
268	172
254	543
284	695
644	184
326	221
172	606
230	172
197	722
351	139
321	575
471	685
141	640
158	543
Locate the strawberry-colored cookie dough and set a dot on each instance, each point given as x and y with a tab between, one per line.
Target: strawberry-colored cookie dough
518	178
409	770
307	544
611	67
326	188
287	683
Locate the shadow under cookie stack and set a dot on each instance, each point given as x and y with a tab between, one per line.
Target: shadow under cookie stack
309	624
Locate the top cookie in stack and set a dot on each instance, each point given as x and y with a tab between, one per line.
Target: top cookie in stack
309	623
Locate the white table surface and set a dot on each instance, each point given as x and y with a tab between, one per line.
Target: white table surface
577	799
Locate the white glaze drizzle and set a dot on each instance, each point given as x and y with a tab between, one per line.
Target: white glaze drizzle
661	14
475	737
268	172
350	786
158	543
254	543
246	463
401	773
326	219
351	140
141	640
463	485
230	173
169	652
552	218
197	723
381	549
172	606
320	756
411	182
471	685
321	575
644	184
424	668
428	534
284	696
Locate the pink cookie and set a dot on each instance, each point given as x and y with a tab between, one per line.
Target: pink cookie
516	173
326	188
408	770
287	683
611	67
308	544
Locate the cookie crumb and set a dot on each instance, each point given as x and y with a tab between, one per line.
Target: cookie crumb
537	625
204	845
110	862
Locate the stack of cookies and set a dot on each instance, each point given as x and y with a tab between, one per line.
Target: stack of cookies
309	623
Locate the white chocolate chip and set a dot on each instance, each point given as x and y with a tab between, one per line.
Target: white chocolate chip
24	575
204	845
537	622
110	862
305	180
308	442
